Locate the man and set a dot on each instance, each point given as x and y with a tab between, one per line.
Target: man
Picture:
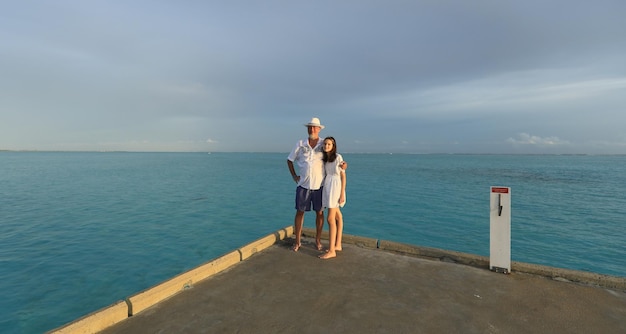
308	156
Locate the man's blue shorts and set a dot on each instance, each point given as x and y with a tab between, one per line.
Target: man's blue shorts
306	197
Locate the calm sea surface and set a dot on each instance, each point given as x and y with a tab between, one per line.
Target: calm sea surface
80	231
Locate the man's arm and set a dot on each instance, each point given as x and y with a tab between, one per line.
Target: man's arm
292	170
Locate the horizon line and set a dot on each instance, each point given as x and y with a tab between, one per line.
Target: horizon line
276	152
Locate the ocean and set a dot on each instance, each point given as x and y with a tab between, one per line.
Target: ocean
80	231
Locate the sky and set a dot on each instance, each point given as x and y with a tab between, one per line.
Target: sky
398	76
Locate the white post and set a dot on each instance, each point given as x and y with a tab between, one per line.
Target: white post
500	230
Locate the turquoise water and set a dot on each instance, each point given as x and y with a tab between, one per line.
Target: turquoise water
79	231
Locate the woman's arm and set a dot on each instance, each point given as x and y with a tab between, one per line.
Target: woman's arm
342	196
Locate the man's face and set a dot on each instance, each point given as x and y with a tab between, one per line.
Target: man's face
314	131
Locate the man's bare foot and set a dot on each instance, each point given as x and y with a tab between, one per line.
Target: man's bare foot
328	255
338	249
295	247
319	246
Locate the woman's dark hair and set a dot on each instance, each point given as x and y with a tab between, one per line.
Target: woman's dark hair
332	155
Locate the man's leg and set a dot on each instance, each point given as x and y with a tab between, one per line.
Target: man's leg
319	226
302	205
298	222
319	216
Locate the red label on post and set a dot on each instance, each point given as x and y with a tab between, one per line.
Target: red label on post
500	190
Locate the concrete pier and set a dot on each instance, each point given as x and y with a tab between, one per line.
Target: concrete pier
373	286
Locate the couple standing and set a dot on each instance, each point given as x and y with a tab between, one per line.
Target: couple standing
318	162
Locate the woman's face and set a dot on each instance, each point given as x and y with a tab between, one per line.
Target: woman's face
328	145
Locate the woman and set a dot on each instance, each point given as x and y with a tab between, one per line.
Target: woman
333	195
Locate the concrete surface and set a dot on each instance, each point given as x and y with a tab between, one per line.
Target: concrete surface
369	290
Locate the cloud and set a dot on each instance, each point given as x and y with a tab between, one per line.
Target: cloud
527	139
441	76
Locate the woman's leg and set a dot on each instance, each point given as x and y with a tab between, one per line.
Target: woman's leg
332	234
339	220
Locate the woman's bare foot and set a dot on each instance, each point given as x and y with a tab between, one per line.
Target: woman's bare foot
328	255
319	246
295	247
338	249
